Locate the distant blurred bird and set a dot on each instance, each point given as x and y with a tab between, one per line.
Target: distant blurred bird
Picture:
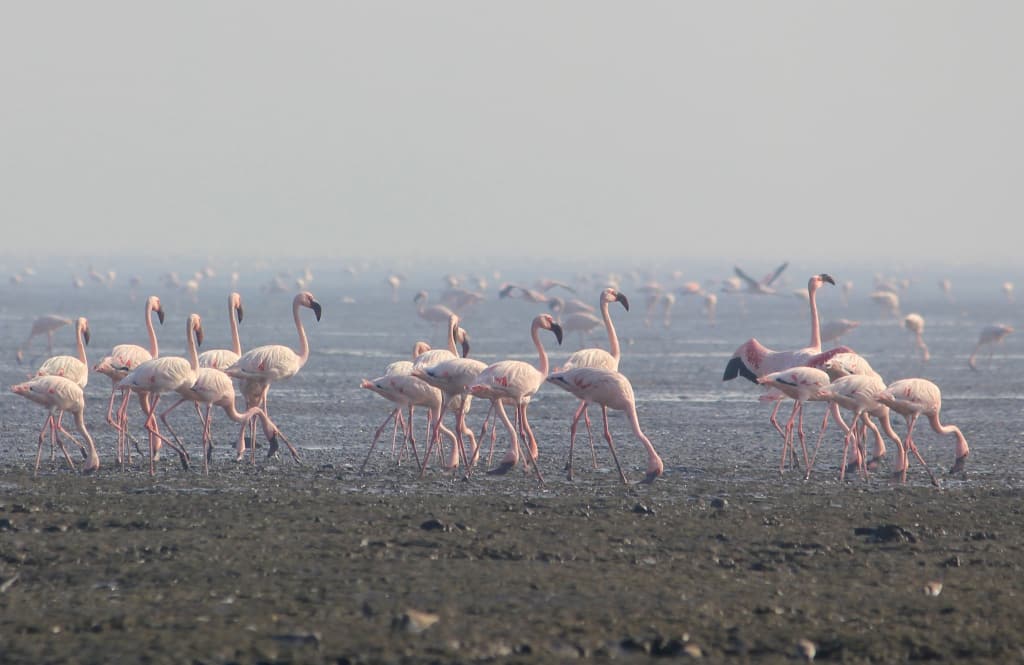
46	324
915	323
990	336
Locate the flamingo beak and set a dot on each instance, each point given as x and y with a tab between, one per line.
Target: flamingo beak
621	297
465	346
160	314
85	335
825	277
557	329
199	336
238	313
317	310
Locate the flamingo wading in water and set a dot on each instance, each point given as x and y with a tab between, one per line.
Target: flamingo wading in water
60	394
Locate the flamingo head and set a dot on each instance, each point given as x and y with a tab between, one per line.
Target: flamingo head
153	304
548	323
420	348
83	328
817	280
618	296
419	297
306	299
195	327
236	305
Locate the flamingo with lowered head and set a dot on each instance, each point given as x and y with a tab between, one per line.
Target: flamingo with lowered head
990	336
801	384
46	324
60	394
515	382
912	398
612	390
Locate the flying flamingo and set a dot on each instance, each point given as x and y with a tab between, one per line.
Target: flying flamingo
990	336
221	358
597	357
59	395
610	389
912	398
122	359
752	359
761	286
801	384
46	324
915	323
260	367
516	381
165	374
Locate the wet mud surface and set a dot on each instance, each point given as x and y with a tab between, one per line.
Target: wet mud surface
317	563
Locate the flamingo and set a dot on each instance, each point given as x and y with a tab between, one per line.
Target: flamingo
432	313
453	378
76	367
260	367
60	394
914	322
46	324
912	398
529	295
597	357
761	286
610	389
165	374
858	393
516	381
221	358
846	364
991	335
122	359
831	331
801	384
752	359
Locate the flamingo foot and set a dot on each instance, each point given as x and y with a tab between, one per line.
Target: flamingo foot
501	469
875	462
650	477
959	465
272	449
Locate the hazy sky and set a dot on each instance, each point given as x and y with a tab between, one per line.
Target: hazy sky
741	130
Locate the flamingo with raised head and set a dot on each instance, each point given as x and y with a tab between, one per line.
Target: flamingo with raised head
912	398
258	368
612	390
60	395
990	336
165	374
515	382
597	357
46	324
753	359
74	367
222	358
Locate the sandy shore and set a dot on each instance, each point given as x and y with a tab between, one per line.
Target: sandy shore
317	564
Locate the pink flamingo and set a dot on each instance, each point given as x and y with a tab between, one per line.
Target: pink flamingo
597	357
915	323
847	364
432	313
453	378
382	386
833	330
801	384
46	324
753	359
76	367
859	394
59	395
122	359
990	336
610	389
221	358
260	367
761	286
912	398
165	374
516	381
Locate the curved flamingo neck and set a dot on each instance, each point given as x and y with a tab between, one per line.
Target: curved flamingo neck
542	365
154	348
236	341
303	342
812	291
613	339
80	329
453	325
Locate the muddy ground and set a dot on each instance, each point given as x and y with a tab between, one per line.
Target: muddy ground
280	563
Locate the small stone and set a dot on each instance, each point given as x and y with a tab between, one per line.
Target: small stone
807	649
693	651
719	503
933	588
416	621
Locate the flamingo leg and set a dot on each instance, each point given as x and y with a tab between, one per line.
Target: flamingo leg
377	434
611	446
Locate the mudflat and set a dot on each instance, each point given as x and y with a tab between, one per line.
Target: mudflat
318	563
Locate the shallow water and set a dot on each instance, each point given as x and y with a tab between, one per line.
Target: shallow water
698	423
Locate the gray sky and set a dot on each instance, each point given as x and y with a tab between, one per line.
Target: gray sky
741	130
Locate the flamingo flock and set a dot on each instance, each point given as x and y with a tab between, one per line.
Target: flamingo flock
447	380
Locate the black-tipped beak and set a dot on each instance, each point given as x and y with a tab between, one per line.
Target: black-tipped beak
557	329
238	313
199	336
465	347
85	335
825	277
317	310
621	297
505	292
160	315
